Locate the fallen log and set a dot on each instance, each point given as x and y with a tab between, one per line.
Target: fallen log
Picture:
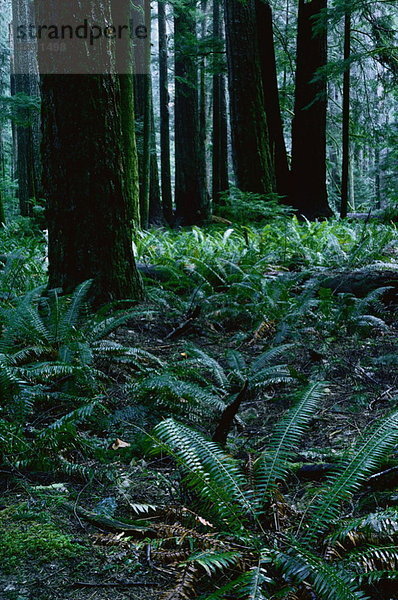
363	281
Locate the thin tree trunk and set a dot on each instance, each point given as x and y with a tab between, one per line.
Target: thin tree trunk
265	35
167	199
25	80
220	127
202	89
345	172
142	110
192	202
252	159
155	202
308	189
143	102
377	174
2	175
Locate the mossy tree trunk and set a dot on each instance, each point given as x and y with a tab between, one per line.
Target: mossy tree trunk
143	108
345	170
220	127
155	201
308	182
191	197
252	159
165	162
87	187
265	35
25	80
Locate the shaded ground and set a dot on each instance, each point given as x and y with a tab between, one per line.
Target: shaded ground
83	566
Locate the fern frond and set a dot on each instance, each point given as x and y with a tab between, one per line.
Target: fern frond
383	523
184	588
329	582
362	460
267	357
72	316
273	464
252	589
215	476
377	558
181	397
212	561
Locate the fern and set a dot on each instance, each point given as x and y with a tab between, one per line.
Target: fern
362	460
214	476
273	464
300	564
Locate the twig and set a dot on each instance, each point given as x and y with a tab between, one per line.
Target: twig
88	584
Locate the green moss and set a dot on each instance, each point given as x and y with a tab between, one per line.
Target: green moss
40	542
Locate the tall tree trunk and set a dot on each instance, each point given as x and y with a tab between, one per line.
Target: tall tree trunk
265	35
25	80
252	159
155	202
308	191
142	110
89	164
165	163
85	184
143	104
202	88
192	202
220	128
345	172
2	175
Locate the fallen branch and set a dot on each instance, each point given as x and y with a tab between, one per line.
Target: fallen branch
86	584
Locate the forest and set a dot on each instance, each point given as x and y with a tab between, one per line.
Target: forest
198	300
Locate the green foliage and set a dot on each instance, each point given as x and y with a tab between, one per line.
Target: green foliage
52	349
240	509
242	207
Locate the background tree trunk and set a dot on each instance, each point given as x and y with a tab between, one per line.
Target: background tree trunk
167	199
265	36
220	127
25	80
155	202
253	165
308	191
202	88
345	171
142	110
192	202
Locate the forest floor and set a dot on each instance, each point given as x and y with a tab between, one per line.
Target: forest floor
103	571
49	551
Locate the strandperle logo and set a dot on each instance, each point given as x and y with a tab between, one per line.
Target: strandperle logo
84	31
81	36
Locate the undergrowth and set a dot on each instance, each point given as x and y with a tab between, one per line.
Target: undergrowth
236	319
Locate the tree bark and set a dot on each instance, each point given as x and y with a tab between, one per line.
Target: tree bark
202	89
308	191
167	199
143	108
265	36
192	202
25	80
220	182
345	173
253	164
155	202
88	196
